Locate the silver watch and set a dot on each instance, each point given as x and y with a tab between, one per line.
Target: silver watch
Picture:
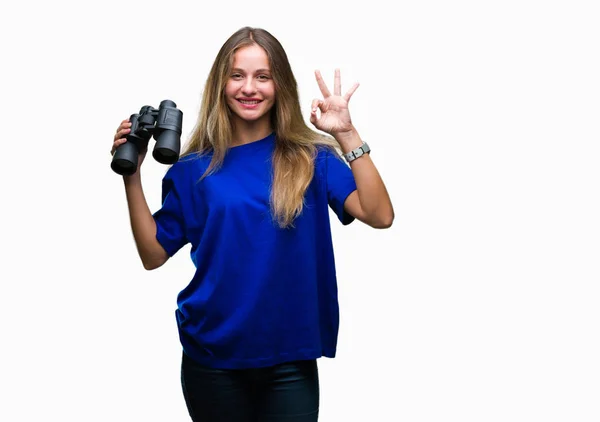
358	152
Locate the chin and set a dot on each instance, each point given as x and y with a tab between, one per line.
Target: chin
260	113
253	116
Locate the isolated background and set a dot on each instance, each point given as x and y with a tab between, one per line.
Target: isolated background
479	304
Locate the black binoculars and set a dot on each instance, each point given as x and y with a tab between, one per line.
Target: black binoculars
164	124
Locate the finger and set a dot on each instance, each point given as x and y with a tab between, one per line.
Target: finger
322	85
121	133
116	144
316	103
337	83
124	124
351	91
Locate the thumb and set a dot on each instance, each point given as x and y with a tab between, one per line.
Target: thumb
316	104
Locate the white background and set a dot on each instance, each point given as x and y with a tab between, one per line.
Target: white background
481	303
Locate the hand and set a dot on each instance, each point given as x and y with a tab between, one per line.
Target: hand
120	138
335	116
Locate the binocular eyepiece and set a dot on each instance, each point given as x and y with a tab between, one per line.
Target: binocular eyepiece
164	124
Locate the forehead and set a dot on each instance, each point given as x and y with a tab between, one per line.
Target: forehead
251	57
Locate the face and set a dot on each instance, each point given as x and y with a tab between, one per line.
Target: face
250	90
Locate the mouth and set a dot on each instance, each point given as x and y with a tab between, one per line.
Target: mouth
250	104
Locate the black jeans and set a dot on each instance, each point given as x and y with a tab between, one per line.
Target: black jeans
288	392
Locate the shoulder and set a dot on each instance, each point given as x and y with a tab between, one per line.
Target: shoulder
191	165
325	154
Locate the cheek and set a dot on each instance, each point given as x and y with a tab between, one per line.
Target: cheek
230	89
270	91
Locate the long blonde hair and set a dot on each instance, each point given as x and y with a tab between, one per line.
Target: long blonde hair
295	144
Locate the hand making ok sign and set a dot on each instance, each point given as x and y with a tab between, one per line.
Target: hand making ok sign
335	116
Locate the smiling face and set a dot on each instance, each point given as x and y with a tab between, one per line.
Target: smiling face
250	90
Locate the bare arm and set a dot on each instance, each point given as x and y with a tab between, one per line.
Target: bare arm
143	225
370	202
142	222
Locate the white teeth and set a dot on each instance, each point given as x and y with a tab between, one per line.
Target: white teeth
249	102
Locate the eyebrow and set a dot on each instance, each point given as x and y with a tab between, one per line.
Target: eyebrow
237	69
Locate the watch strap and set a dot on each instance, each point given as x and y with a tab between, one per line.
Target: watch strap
357	152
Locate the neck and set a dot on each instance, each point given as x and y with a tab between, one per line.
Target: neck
245	132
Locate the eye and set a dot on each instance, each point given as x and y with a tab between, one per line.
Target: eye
236	76
263	77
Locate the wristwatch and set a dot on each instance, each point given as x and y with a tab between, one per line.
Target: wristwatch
358	152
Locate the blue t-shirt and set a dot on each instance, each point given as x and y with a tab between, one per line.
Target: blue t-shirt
260	295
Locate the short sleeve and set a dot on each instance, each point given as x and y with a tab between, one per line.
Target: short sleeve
340	184
170	222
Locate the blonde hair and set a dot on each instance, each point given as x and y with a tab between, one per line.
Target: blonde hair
295	143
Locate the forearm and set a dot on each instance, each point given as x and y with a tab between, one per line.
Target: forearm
143	225
372	193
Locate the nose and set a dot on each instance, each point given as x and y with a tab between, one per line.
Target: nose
249	88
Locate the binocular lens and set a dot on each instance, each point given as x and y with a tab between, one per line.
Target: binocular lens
166	150
125	160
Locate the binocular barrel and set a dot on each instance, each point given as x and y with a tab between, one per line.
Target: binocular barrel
125	159
168	133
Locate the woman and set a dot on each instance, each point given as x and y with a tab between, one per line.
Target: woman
251	194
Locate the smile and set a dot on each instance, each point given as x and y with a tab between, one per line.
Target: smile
249	104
